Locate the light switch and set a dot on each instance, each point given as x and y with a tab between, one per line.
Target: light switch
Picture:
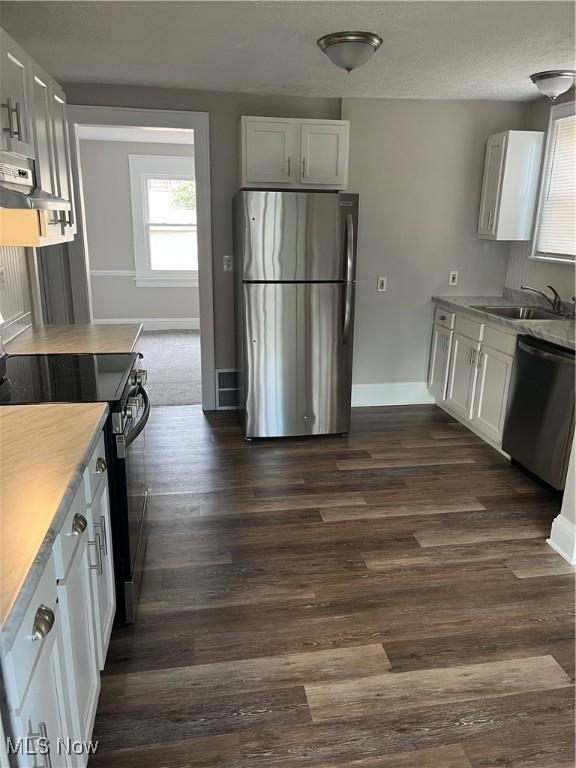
382	284
227	263
453	278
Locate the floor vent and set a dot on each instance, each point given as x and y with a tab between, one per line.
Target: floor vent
226	389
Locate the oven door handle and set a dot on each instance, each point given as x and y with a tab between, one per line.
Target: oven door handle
135	431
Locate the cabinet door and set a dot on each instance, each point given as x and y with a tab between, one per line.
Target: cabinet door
15	117
62	158
43	717
102	569
494	371
270	151
462	378
42	130
83	679
439	359
324	154
492	185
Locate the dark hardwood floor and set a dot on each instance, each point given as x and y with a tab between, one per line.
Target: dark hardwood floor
385	600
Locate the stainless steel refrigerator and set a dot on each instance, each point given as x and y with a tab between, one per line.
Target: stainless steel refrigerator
295	268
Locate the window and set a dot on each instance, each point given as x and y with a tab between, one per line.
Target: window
555	237
164	220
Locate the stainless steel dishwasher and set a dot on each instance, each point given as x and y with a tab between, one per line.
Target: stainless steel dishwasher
540	417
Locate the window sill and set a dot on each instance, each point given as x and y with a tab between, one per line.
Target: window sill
166	282
554	259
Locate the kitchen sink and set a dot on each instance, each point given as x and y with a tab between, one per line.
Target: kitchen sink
523	313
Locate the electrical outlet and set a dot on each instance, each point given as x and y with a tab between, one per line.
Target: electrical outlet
2	278
453	278
227	263
382	284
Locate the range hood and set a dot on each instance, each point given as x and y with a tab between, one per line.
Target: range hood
23	208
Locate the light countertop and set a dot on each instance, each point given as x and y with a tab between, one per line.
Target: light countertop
89	338
44	449
561	332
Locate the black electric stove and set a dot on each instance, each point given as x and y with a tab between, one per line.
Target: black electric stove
26	379
118	380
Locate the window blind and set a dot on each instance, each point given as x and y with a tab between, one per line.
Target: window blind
557	227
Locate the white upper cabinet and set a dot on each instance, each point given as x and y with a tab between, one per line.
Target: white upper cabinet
15	99
293	153
510	186
270	151
324	153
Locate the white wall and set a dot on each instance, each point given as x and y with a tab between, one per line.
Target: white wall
418	167
521	269
107	199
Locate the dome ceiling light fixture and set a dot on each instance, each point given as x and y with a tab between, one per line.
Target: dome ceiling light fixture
349	50
554	82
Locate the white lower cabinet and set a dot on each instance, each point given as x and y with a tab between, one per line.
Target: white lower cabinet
77	606
469	372
439	360
462	377
43	720
102	570
493	383
52	668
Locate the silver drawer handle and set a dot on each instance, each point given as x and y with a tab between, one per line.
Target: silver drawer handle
101	465
43	622
104	537
42	733
97	543
79	524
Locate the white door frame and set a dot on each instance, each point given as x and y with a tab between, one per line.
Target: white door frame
78	249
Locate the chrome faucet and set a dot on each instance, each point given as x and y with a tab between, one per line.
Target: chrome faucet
555	303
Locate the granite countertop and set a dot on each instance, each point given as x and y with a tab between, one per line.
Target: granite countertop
44	450
561	332
89	338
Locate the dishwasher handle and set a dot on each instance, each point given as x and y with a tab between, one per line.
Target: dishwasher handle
565	358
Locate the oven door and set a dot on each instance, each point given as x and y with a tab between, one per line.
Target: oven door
131	455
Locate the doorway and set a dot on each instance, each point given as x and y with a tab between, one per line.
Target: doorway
145	246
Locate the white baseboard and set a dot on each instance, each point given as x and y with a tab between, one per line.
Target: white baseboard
155	323
391	393
563	538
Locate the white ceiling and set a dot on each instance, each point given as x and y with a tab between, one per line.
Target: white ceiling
442	50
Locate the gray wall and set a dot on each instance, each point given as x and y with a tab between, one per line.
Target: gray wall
521	269
418	167
225	110
108	211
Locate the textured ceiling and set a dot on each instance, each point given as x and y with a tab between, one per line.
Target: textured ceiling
441	50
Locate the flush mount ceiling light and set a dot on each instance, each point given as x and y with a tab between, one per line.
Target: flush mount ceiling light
554	82
349	50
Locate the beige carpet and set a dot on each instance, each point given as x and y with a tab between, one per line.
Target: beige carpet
172	359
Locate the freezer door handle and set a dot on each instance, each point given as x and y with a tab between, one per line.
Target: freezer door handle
349	248
349	272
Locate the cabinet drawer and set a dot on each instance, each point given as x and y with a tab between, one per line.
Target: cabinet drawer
96	471
25	650
70	534
444	318
469	328
500	340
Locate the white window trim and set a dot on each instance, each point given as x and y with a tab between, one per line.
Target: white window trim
556	112
142	168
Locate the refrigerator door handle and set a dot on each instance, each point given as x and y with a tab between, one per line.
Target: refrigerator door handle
349	247
349	272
